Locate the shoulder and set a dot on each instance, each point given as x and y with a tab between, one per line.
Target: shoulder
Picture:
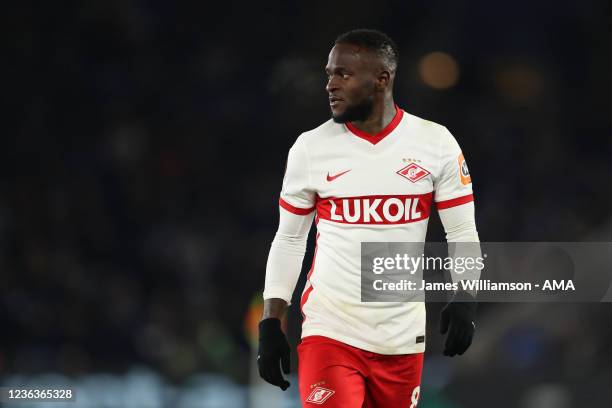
434	132
323	132
427	127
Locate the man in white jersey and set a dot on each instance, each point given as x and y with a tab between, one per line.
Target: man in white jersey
370	174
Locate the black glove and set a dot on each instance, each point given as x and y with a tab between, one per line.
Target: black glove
459	314
273	347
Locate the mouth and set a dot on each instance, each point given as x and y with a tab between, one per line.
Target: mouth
335	101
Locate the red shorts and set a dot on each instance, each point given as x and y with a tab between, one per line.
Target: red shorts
333	374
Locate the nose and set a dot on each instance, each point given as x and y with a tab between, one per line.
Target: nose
332	84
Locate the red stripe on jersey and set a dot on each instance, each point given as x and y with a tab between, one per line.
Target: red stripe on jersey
314	257
295	210
380	135
372	210
303	302
453	202
307	291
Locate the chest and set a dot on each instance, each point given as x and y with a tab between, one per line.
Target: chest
401	169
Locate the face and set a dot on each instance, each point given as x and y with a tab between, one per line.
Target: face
352	82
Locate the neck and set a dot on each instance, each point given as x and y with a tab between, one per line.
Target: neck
382	114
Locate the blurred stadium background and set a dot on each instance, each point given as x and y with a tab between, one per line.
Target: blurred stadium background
143	150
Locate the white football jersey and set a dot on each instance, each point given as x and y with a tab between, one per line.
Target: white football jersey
369	188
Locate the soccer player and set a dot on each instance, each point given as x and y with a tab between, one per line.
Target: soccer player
370	174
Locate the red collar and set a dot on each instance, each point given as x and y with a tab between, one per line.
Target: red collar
380	135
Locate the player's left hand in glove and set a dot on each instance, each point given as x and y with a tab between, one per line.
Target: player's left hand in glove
274	352
457	318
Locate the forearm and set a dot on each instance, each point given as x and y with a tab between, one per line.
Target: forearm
461	234
460	223
284	265
285	260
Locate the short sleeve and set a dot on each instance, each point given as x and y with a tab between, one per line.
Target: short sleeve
453	184
297	195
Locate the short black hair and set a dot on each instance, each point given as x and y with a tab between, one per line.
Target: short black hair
373	40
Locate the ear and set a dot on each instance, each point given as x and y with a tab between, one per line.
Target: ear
383	80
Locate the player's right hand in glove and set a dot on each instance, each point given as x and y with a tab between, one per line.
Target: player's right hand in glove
273	353
457	318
